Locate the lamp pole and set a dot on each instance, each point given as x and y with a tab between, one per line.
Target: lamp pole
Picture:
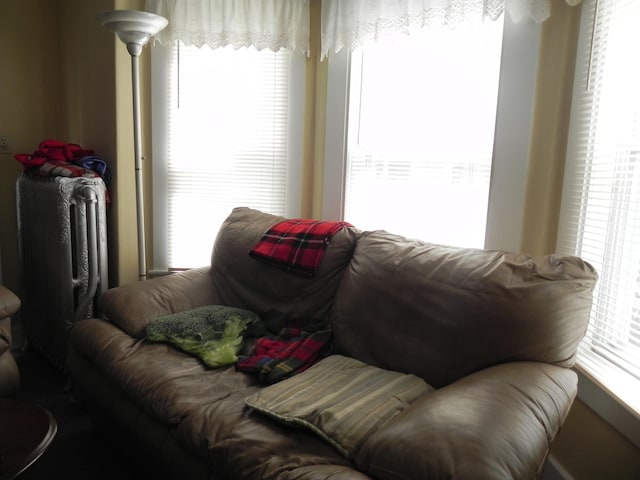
135	28
137	149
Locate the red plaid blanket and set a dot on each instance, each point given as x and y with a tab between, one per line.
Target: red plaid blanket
296	245
293	351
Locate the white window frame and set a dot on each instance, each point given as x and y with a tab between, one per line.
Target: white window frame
516	92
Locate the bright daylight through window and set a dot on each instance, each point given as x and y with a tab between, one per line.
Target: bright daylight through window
224	141
601	206
420	133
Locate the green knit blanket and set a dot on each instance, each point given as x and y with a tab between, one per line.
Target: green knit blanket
213	333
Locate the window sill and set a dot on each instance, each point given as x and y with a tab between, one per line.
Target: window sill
622	415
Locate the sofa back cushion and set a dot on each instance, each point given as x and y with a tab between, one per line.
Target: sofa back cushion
443	312
274	294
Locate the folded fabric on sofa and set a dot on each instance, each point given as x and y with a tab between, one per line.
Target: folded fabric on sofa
296	245
294	350
341	399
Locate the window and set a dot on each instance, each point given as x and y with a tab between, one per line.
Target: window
507	157
600	218
230	135
421	120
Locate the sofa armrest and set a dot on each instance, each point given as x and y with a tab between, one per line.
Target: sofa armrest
9	303
495	423
131	307
9	374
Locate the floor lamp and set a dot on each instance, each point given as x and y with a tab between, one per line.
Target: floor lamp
135	28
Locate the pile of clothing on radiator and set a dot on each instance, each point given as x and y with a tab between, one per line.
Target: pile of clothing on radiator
60	159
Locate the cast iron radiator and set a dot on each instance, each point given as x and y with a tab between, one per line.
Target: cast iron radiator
63	251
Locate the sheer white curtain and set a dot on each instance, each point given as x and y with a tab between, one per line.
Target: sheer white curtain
353	23
272	24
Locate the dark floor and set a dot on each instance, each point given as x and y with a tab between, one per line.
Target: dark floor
78	451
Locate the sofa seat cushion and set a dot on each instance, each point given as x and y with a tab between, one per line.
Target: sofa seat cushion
248	445
341	399
204	408
166	383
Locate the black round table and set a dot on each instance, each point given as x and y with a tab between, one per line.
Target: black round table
26	431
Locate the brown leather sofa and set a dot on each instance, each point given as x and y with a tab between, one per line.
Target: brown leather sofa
9	374
493	334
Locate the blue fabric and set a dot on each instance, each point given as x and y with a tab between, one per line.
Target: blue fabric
96	164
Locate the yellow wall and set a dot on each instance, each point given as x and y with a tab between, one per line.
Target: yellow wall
550	126
66	77
29	96
70	79
97	113
314	119
588	448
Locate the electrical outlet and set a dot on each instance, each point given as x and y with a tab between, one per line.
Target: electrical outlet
4	144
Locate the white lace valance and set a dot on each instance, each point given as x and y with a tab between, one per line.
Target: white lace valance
352	23
272	24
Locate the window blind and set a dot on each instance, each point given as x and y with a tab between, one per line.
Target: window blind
420	133
221	141
600	217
